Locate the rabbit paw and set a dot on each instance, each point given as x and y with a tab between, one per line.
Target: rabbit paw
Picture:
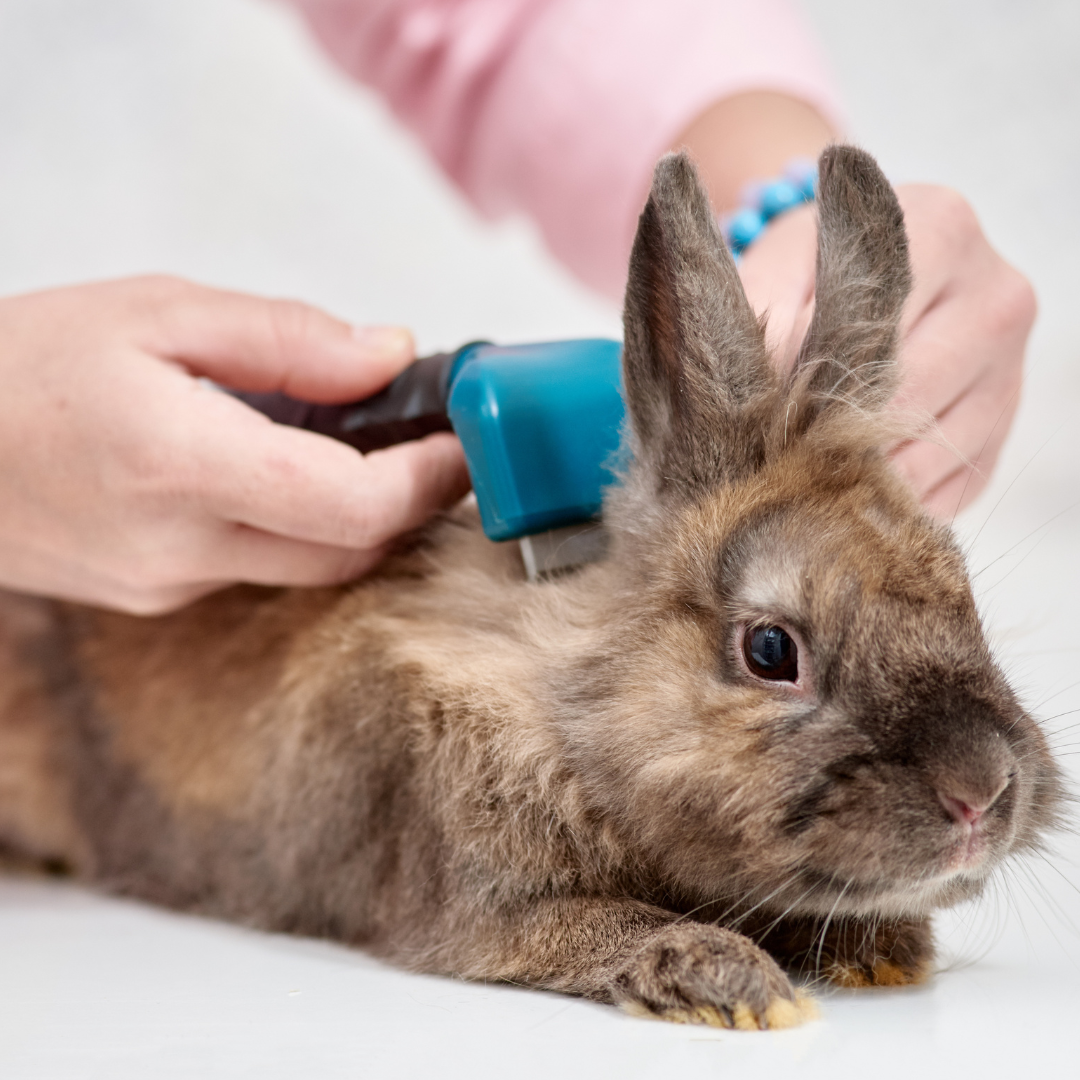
880	973
695	974
895	954
854	953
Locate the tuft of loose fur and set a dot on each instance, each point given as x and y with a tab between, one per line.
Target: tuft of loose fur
583	784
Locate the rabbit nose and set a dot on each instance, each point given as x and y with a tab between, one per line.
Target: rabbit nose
966	807
963	812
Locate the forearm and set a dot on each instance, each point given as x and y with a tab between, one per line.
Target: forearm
560	108
752	136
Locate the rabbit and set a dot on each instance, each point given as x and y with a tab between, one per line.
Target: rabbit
763	739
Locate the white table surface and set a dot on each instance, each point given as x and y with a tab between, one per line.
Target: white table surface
207	137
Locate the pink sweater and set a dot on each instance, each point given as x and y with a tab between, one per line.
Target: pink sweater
560	108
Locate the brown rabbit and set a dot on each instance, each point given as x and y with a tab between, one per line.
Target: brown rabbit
765	732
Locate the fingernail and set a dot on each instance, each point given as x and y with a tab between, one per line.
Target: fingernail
384	340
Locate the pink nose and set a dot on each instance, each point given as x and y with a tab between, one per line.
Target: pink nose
963	812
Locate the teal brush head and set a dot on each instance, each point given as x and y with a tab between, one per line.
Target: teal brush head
541	427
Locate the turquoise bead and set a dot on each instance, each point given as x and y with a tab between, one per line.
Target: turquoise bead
802	173
778	196
743	228
764	201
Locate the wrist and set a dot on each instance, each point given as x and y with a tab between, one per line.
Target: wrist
749	137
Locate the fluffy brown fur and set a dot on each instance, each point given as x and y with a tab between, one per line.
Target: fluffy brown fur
580	784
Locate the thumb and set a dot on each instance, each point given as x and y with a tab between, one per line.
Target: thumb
262	345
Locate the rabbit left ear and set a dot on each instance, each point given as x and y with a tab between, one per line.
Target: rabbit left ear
696	370
863	279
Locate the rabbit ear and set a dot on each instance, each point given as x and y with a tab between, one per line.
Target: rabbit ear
694	359
863	279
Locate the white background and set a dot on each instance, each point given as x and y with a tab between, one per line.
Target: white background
209	138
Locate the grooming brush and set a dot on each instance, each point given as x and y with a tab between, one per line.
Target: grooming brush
540	424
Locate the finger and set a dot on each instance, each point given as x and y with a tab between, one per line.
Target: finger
218	556
975	429
974	339
955	492
272	563
307	487
261	558
160	601
925	465
254	558
947	247
256	344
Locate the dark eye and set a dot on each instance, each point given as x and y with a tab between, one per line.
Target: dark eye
770	653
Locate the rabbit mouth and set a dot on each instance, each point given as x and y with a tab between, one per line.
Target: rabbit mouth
973	849
969	862
892	898
965	858
940	868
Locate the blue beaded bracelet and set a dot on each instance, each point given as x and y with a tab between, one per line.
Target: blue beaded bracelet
762	202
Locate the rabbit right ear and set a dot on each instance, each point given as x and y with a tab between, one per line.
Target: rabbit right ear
863	279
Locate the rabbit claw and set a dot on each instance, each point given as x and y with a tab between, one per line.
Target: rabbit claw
881	973
691	973
779	1013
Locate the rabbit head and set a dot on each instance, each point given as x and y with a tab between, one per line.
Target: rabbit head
793	704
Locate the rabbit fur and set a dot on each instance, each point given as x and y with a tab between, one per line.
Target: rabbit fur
579	784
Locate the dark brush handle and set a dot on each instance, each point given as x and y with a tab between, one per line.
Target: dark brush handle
412	406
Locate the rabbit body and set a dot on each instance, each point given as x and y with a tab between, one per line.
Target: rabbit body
585	784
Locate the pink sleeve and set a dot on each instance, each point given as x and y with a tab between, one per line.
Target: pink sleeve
559	108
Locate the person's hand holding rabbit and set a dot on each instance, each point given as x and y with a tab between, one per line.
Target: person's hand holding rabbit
965	325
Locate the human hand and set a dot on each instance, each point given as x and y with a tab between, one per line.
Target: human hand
129	482
963	334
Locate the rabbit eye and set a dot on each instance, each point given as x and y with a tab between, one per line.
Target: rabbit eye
770	653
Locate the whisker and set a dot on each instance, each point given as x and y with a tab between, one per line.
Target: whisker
1012	483
746	914
986	442
1009	880
1016	566
1041	895
1009	550
825	928
1056	693
787	911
